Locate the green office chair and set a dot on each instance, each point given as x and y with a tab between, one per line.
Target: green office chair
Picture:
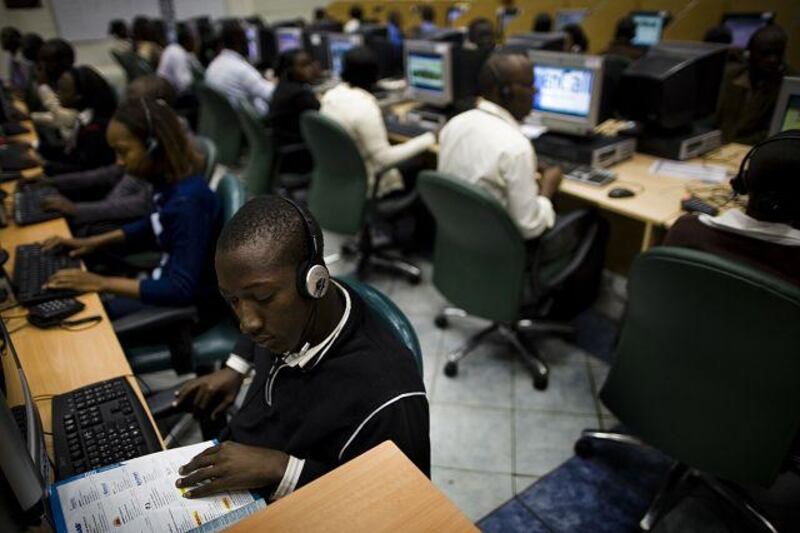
218	122
209	152
262	168
338	196
183	351
707	370
395	320
481	264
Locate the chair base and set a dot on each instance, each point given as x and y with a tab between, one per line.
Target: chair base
676	485
529	355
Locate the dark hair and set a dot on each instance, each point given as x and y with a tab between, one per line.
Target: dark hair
718	34
579	38
184	36
427	13
320	14
772	180
118	28
270	223
256	21
31	46
232	35
480	27
152	87
140	29
176	155
286	61
11	39
394	17
543	23
626	29
493	72
767	34
57	56
158	32
356	12
94	91
360	68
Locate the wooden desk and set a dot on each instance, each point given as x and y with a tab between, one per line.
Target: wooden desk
55	360
380	490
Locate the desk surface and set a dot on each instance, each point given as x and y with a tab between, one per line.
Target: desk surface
55	360
380	490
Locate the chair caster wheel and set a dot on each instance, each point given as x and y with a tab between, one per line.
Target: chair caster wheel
584	448
540	382
441	322
451	369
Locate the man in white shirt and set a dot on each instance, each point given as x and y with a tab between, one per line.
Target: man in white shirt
351	105
178	63
485	146
231	74
356	17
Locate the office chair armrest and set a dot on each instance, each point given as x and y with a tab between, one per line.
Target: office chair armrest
580	254
154	318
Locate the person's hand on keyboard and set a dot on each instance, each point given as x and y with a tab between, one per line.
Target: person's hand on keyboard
231	466
77	280
77	247
57	202
214	392
550	181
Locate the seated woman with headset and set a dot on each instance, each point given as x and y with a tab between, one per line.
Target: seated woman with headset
767	234
151	145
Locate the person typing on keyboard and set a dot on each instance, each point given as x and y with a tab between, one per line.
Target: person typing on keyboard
330	381
151	145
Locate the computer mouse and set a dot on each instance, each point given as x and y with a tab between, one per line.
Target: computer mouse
620	192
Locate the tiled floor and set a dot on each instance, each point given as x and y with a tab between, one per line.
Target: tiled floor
492	433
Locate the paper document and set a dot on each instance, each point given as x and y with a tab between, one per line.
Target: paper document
689	171
140	495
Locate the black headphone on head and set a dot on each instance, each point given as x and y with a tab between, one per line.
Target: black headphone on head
313	277
151	142
505	89
768	203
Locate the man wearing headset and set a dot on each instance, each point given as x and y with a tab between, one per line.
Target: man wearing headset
767	234
329	380
486	147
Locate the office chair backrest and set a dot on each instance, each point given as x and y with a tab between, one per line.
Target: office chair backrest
133	65
232	194
209	153
479	255
258	170
338	193
708	364
218	122
394	318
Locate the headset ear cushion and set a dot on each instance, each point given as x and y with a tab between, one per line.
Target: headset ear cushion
317	280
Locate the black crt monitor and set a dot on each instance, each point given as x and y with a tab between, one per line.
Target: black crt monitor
787	109
673	84
744	25
318	47
288	38
429	72
568	89
338	45
565	17
24	466
456	36
524	42
649	27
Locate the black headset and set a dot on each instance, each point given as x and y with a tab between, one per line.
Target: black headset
313	277
151	143
767	203
505	89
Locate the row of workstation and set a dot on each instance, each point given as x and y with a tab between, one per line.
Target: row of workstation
363	494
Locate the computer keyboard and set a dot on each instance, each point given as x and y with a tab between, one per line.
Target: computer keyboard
581	173
33	267
99	425
28	204
409	129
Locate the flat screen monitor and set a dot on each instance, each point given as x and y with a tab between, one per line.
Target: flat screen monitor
565	17
744	25
567	90
787	109
429	72
288	39
338	46
649	27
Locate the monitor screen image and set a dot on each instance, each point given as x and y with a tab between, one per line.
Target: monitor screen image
563	90
742	28
791	115
648	29
425	71
338	48
288	40
565	17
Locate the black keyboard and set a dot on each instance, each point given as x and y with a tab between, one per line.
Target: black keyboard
33	267
408	129
100	425
28	204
